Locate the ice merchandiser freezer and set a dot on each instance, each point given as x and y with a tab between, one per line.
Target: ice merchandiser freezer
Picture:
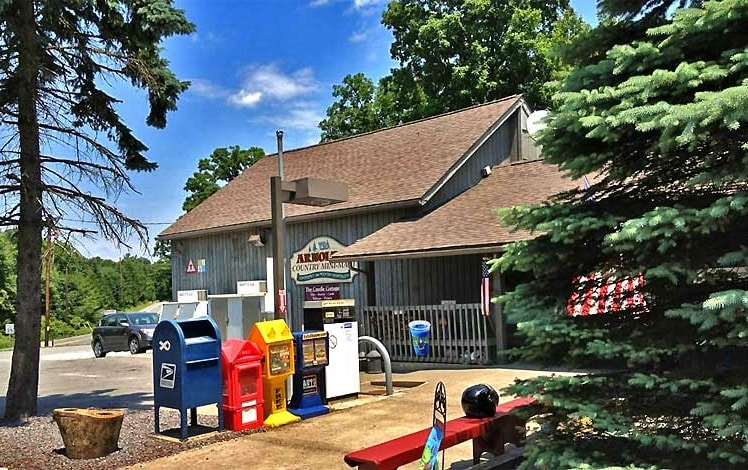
338	319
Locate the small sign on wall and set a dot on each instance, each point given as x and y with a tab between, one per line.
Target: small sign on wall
190	269
197	266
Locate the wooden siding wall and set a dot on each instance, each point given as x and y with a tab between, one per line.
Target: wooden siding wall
229	257
428	281
497	149
422	281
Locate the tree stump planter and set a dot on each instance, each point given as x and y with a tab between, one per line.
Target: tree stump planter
89	433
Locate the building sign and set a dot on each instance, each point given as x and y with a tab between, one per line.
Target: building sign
312	264
322	292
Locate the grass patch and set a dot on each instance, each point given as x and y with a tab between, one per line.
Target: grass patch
6	342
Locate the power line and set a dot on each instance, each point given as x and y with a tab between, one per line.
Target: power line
81	221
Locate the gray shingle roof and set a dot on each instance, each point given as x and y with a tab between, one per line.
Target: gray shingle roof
392	165
468	221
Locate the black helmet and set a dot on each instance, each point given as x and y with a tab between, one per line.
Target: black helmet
480	401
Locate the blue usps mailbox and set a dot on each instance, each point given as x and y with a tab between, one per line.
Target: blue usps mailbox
187	368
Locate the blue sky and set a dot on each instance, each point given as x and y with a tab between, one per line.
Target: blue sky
255	66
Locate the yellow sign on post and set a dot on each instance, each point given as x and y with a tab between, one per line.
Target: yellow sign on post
276	342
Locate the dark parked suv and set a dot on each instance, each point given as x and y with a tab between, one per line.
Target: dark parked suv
123	331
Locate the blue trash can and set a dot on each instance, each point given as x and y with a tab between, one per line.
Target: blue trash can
420	331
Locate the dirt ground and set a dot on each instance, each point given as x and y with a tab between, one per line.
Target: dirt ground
322	442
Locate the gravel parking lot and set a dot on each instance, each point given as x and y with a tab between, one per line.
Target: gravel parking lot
37	445
72	377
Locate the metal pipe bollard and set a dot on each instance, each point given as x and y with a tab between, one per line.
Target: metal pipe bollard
385	359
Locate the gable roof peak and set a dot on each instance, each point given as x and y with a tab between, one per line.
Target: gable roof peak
401	125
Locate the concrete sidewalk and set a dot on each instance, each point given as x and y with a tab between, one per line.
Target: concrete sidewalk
321	443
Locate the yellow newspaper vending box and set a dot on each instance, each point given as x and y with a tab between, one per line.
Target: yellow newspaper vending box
276	342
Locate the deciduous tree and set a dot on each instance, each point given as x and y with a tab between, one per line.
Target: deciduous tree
466	52
7	276
354	111
223	165
453	54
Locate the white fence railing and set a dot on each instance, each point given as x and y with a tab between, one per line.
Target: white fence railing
459	333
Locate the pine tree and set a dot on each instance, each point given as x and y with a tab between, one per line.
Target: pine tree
655	112
58	59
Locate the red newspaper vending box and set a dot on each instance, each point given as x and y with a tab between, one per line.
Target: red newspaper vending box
242	384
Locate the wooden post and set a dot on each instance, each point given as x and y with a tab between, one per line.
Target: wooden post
499	319
371	287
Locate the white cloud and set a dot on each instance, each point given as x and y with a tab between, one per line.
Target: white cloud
359	36
245	98
207	39
207	89
300	116
268	81
359	4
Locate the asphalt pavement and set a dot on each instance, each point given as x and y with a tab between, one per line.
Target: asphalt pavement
72	377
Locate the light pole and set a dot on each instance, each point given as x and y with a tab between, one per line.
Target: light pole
279	236
304	191
276	213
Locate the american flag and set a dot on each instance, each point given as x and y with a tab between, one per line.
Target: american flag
604	293
485	291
